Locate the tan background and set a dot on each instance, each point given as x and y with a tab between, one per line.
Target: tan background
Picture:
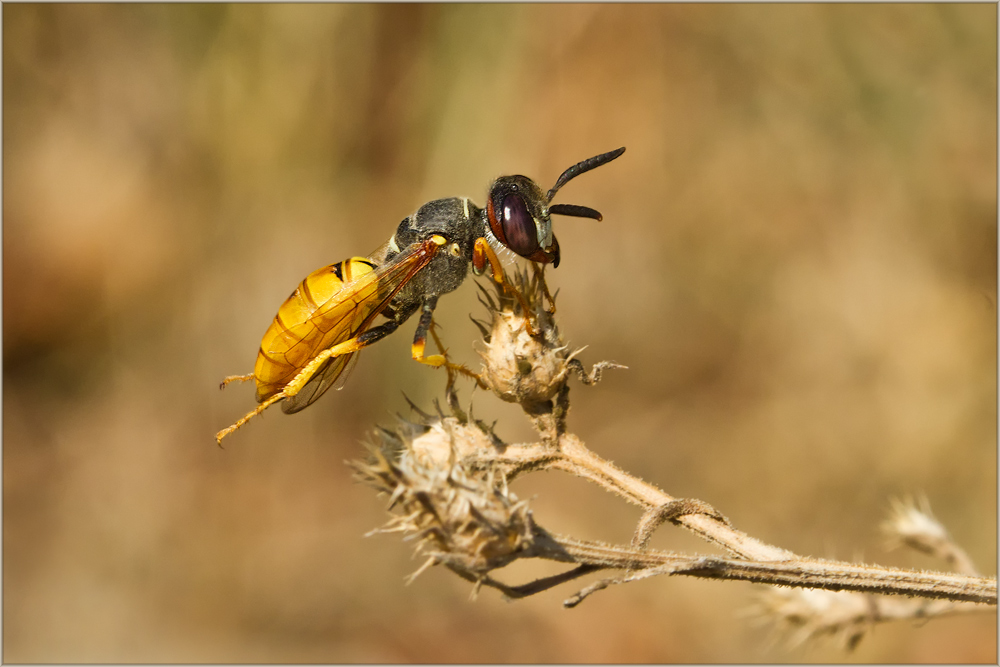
798	262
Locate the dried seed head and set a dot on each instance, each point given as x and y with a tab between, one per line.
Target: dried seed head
466	519
807	613
446	440
519	367
911	523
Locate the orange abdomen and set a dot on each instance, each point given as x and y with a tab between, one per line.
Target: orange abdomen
319	314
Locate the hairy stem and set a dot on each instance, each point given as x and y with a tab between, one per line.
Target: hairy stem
805	572
572	456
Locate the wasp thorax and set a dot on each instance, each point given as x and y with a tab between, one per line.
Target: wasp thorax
524	360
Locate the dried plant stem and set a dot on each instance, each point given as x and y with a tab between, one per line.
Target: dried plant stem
581	461
807	572
755	560
572	456
803	572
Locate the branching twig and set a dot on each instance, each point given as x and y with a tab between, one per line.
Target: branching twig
572	456
449	480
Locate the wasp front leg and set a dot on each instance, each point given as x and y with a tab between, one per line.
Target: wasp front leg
540	276
482	254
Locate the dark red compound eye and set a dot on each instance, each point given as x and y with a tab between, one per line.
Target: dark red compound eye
518	226
516	215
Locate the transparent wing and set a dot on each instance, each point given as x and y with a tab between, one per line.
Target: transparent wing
334	373
389	280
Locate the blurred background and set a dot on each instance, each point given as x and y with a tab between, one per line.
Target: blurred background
798	262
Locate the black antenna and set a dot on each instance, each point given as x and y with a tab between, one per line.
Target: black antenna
581	168
575	210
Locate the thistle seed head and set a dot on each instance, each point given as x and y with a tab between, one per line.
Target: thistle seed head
467	519
519	367
447	440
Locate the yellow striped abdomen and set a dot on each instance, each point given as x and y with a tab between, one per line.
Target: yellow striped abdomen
326	308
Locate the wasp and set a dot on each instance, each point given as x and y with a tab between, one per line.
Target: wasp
314	339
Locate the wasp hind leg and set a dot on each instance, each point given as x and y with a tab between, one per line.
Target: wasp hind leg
235	378
248	416
425	325
309	370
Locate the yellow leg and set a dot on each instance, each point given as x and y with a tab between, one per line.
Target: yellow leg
235	378
483	254
452	368
296	384
540	274
435	360
245	418
310	369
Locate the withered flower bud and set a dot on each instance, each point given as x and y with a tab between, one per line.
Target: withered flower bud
518	366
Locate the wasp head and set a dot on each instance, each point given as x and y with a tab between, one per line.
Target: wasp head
519	214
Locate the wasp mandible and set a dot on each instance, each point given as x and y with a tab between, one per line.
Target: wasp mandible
318	331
